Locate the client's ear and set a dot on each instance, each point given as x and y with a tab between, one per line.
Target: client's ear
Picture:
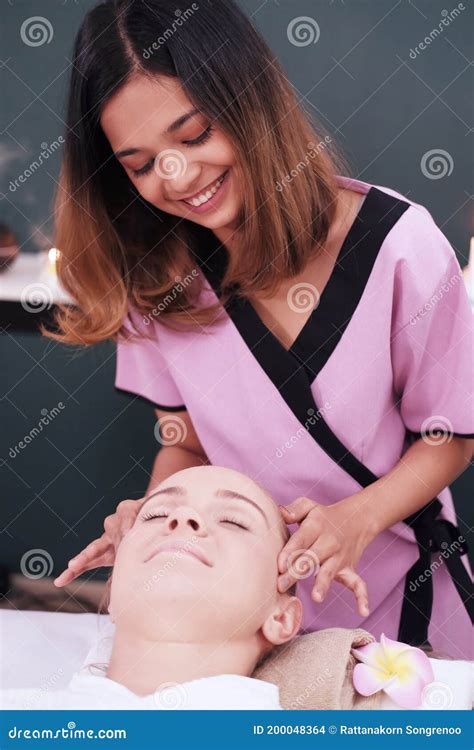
285	621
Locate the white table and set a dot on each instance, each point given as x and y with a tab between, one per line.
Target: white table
29	281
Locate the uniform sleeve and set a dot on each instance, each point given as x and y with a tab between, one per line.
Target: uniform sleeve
142	369
432	342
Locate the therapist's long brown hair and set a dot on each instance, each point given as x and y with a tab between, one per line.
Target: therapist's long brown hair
116	247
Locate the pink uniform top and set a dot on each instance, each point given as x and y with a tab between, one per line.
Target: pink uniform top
385	355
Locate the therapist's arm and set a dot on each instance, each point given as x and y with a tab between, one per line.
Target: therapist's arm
338	533
422	472
186	453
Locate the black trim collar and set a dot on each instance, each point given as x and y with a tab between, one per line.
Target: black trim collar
337	303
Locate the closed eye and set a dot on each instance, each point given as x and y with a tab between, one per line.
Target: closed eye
149	516
228	519
234	522
143	170
202	138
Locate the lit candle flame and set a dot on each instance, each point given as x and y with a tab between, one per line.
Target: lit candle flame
53	256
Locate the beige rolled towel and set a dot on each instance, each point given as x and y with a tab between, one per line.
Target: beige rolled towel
314	671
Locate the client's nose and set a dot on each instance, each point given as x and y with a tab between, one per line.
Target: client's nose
186	517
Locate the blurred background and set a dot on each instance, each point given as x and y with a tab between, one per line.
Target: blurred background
395	96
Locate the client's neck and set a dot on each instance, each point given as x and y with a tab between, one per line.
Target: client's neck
142	665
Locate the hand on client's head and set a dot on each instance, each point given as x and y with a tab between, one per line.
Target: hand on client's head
200	566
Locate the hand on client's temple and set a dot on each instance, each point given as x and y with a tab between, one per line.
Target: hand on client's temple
328	545
101	552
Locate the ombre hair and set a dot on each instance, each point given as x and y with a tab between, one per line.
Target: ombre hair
116	249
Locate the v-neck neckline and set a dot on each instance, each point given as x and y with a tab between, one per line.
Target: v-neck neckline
338	267
342	292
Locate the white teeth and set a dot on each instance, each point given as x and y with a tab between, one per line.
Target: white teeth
204	197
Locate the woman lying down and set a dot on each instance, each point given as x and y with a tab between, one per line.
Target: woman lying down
197	621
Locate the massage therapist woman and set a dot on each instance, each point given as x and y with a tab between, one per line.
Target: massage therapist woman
303	327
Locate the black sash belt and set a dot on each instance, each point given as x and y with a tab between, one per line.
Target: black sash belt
432	535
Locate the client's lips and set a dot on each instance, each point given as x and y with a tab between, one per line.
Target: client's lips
186	547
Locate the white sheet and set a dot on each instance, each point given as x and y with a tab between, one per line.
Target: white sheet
97	692
45	649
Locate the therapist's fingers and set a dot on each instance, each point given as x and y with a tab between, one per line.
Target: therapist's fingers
324	578
304	563
119	523
74	571
98	553
302	539
295	511
97	549
353	581
348	577
64	578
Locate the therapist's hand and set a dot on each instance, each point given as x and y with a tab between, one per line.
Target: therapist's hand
101	552
328	544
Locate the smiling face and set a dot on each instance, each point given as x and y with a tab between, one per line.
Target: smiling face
201	558
172	152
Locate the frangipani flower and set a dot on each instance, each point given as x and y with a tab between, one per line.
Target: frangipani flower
400	670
